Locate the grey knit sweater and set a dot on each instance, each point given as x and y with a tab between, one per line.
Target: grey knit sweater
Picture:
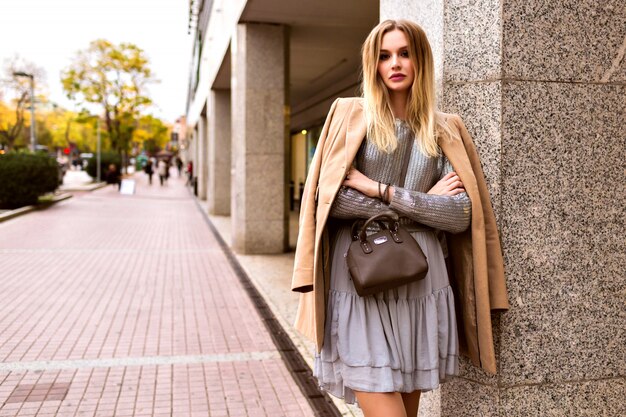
451	214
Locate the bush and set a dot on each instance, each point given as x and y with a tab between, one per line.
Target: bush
26	176
106	159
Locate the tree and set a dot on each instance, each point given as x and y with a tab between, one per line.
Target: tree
114	79
11	123
56	127
67	128
16	91
151	134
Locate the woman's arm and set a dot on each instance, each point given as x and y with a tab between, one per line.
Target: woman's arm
353	204
446	206
358	197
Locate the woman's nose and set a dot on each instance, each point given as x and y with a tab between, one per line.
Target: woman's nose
395	62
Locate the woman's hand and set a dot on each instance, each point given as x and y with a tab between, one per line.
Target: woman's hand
357	180
449	185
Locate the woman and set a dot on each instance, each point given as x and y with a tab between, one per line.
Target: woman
383	350
162	168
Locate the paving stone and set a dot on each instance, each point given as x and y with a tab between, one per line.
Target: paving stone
126	305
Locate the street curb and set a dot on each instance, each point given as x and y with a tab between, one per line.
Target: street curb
89	187
27	209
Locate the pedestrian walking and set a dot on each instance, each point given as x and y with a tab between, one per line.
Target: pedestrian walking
189	173
162	169
383	350
113	176
149	170
179	166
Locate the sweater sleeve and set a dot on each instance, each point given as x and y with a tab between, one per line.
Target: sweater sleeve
352	204
449	213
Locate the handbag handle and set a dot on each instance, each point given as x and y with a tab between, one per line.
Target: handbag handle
355	231
388	215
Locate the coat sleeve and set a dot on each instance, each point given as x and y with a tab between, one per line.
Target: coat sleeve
498	298
302	278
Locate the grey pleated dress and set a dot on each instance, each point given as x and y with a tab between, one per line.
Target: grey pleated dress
403	339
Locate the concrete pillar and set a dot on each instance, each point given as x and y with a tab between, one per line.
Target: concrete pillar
218	194
194	152
541	90
203	157
259	120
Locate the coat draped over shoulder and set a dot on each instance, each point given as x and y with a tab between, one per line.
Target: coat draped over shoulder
475	256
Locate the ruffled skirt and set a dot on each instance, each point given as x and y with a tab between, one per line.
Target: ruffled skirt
399	340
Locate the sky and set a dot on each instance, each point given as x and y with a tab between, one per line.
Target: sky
49	32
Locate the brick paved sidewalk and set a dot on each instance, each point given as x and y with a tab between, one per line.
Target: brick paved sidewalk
115	305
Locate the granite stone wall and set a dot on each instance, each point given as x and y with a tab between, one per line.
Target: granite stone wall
541	86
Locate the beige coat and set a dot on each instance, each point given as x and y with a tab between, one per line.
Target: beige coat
476	266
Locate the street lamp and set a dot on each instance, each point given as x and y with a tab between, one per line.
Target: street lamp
33	139
98	167
98	151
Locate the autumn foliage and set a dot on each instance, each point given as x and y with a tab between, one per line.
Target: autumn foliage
114	79
109	81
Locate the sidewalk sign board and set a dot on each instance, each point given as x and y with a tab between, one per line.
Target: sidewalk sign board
128	187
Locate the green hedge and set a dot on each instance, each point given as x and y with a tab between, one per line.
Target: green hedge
26	176
106	159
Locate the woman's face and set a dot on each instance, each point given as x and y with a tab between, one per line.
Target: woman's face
394	64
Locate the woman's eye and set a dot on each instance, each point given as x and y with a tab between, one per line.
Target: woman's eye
404	54
383	57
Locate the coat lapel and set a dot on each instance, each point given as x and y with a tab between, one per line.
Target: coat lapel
455	152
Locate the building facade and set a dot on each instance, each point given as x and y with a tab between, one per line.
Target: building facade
540	86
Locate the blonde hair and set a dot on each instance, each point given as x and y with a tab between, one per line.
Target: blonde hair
421	113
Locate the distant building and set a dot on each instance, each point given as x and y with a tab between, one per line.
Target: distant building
179	134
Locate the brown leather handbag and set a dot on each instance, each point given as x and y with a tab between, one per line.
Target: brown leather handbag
386	259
